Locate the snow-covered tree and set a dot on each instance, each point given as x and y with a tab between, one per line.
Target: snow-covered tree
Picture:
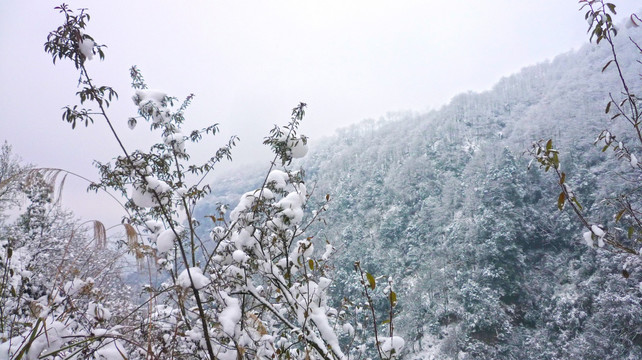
57	279
622	231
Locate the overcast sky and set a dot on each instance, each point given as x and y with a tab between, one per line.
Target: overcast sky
250	62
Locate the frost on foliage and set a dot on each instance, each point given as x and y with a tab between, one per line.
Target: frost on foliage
634	160
200	280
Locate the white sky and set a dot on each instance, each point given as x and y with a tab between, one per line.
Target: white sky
250	62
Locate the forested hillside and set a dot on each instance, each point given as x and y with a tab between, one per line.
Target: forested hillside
484	263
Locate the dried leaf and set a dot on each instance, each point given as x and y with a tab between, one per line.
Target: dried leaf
560	201
100	234
132	235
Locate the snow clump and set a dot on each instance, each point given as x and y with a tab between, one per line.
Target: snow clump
152	103
231	315
86	47
143	195
98	312
165	240
392	346
298	147
588	238
599	232
278	179
200	280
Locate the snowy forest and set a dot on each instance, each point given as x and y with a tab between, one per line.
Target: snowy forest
504	225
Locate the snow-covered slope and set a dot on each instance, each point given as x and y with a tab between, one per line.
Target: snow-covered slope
486	267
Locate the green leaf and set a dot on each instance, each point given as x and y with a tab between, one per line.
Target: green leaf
577	203
562	178
619	215
393	298
371	280
549	144
605	147
630	234
387	321
311	264
560	201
